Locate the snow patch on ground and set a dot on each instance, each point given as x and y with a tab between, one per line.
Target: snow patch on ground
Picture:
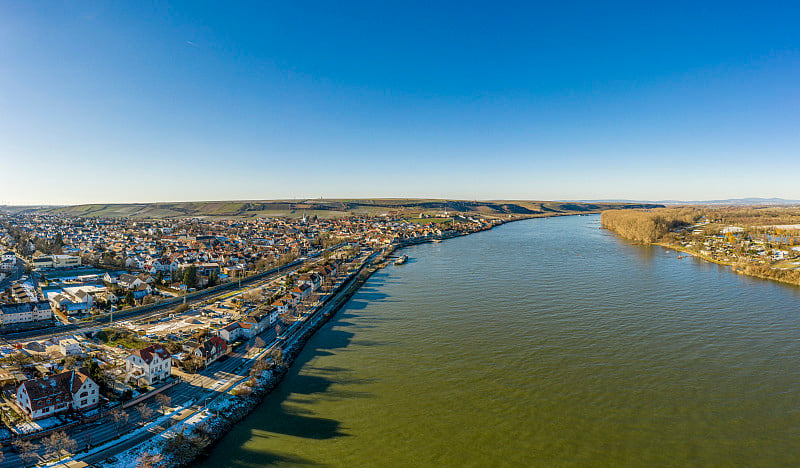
128	436
28	427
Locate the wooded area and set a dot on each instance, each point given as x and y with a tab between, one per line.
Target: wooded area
648	225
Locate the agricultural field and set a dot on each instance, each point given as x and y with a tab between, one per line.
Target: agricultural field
332	208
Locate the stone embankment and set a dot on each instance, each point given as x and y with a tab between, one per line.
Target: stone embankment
213	428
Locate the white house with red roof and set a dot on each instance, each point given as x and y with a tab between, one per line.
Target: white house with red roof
148	366
48	396
301	291
282	305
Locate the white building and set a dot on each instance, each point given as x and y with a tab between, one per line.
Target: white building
71	390
8	262
66	261
28	312
149	365
70	347
9	256
56	261
231	332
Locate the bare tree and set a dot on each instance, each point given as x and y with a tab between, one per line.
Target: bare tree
119	418
89	439
163	401
148	460
58	442
145	413
277	355
69	445
51	444
27	451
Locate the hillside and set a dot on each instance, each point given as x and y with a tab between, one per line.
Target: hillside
334	208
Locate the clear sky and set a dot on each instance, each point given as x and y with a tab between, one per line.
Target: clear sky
130	102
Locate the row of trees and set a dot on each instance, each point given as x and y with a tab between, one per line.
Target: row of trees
755	216
55	445
648	225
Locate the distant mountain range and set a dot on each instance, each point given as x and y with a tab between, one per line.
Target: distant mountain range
727	202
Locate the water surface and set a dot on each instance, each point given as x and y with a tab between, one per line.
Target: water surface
546	342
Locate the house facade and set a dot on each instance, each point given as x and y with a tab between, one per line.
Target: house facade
70	347
8	265
149	365
301	291
68	391
26	313
211	349
231	332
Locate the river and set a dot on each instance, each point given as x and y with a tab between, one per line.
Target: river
546	342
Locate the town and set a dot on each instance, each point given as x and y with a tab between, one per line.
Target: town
755	241
114	330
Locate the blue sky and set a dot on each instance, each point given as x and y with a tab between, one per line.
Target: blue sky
131	102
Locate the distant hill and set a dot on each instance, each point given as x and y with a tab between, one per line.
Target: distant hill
334	208
14	209
754	201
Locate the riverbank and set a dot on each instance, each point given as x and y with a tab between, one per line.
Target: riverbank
598	334
191	439
182	444
738	268
751	246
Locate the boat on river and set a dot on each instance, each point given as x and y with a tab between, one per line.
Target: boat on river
401	260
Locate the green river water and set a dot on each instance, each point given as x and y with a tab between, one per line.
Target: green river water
545	342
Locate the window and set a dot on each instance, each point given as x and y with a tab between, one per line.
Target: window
83	402
83	394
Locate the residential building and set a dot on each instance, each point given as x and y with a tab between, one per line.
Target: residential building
29	313
300	292
148	366
70	347
56	261
68	391
211	349
231	332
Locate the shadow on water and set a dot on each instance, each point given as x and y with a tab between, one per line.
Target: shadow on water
286	411
260	458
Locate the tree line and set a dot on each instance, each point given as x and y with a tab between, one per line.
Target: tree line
648	225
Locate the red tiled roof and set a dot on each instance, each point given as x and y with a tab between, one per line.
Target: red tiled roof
147	353
54	389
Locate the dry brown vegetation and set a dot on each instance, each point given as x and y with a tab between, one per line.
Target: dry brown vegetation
330	208
754	215
648	225
764	271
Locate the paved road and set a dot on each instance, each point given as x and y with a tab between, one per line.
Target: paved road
191	392
169	303
194	392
